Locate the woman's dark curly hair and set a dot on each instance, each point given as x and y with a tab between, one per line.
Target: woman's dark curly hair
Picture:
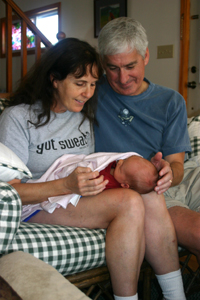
69	56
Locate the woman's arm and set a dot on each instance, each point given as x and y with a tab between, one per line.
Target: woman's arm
81	181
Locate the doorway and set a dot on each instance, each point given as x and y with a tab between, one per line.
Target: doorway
193	99
189	75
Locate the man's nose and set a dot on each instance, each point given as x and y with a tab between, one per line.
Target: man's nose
123	76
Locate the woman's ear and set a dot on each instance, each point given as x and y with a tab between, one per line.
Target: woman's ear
125	185
53	81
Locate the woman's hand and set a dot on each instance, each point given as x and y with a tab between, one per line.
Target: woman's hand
81	181
165	173
85	182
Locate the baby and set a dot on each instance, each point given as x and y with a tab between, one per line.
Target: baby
126	170
133	172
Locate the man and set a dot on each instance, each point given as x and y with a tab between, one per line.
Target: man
137	115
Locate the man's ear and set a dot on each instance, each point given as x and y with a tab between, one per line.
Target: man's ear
103	62
125	185
146	58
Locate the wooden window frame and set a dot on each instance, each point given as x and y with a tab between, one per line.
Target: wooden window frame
184	47
31	13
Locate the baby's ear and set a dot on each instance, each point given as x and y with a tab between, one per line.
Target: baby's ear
125	185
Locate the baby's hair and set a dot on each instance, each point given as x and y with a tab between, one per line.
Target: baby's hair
145	180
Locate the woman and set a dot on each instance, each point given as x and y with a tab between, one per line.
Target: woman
51	114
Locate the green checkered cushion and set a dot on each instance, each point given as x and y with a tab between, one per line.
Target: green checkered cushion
3	104
194	134
69	250
10	214
195	144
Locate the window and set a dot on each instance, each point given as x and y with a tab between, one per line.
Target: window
16	36
46	18
47	23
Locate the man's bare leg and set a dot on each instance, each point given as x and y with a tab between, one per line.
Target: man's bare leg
121	211
187	226
160	236
161	246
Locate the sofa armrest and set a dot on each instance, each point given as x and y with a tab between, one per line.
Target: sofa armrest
33	279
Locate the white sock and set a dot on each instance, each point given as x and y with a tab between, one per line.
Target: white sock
172	285
135	297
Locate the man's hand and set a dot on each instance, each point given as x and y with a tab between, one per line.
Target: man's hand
165	173
157	161
171	170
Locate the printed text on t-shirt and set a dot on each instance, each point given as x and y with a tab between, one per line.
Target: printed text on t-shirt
79	142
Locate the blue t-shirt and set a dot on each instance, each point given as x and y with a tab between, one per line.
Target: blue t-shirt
153	121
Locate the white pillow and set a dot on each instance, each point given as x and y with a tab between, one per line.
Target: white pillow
11	166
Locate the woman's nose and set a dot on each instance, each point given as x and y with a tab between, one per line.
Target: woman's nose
88	92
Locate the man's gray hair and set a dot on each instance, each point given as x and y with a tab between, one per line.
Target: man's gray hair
120	35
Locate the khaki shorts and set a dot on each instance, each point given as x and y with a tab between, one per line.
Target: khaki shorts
187	193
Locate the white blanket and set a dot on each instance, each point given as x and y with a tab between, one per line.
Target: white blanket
66	164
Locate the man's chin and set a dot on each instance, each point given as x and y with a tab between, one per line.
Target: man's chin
126	91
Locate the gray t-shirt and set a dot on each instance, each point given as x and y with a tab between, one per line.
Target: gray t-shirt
39	147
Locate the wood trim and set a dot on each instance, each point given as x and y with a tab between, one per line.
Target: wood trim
184	47
59	13
9	48
37	48
37	11
5	95
23	50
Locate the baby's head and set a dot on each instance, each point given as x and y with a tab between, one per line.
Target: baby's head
136	173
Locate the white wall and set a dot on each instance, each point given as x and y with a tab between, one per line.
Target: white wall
160	18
